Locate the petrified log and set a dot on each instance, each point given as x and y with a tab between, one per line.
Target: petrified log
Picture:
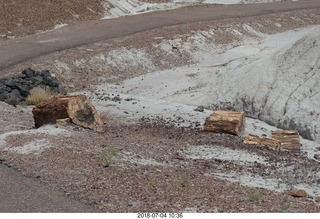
262	141
297	192
225	122
78	108
289	139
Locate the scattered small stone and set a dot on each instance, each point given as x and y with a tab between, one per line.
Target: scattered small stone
11	37
105	165
199	109
76	128
116	98
316	199
317	157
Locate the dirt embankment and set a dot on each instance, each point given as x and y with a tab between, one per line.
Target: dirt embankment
19	17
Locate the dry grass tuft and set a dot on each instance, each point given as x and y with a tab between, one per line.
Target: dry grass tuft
39	94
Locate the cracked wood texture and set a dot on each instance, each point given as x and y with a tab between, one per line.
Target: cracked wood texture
225	122
289	139
297	192
262	141
78	108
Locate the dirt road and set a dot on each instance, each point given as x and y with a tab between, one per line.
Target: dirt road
21	194
23	49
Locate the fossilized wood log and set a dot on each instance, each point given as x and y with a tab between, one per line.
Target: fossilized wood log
225	122
262	141
289	139
297	192
78	108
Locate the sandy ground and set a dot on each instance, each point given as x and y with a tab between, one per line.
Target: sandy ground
152	165
154	155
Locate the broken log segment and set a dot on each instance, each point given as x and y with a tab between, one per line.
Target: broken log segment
225	122
78	108
289	139
298	192
262	141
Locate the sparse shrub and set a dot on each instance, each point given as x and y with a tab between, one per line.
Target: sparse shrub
39	94
110	156
253	197
184	179
285	208
239	187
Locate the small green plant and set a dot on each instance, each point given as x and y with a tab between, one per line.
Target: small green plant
253	197
110	156
39	94
239	187
184	179
285	207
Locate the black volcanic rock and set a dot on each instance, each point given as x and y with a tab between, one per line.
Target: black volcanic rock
15	90
29	73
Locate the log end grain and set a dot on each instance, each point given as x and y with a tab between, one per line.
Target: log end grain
225	122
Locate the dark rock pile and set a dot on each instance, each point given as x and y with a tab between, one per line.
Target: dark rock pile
15	90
